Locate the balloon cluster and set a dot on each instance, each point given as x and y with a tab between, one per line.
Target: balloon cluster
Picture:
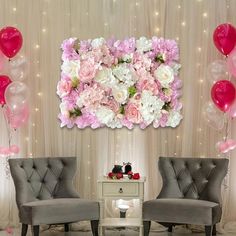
223	92
14	94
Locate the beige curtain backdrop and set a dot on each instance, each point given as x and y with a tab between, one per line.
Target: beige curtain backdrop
46	23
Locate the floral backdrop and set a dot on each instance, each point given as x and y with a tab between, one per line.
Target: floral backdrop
118	83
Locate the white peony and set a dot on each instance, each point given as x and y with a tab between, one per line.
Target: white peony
105	115
71	68
96	43
127	57
120	93
115	123
123	74
165	75
174	119
105	78
150	107
143	44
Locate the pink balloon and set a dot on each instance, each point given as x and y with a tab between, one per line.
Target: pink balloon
14	149
231	62
10	41
4	82
224	38
223	94
17	118
226	146
4	151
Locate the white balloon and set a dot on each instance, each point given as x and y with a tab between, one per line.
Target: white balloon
213	117
217	70
18	67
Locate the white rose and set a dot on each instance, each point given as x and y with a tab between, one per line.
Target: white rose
123	74
120	93
165	75
71	68
105	115
105	77
96	43
143	44
174	119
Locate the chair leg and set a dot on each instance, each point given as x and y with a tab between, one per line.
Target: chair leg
146	227
214	230
66	227
170	228
35	230
24	229
208	229
94	227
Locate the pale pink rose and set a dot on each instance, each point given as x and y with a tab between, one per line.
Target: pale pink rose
132	113
64	88
88	70
148	84
113	105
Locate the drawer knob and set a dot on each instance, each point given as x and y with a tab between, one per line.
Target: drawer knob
121	190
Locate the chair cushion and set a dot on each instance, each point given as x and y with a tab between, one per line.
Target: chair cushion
186	211
61	210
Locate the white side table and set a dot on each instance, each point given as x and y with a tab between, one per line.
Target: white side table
120	189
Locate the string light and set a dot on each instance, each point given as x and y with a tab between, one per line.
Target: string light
88	146
37	46
183	23
204	31
177	136
199	49
89	177
204	14
14	9
38	75
156	13
44	30
89	162
27	139
36	109
157	29
39	94
137	4
36	141
201	81
33	124
105	24
179	6
44	13
177	38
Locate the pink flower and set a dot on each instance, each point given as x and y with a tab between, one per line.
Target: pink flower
113	105
132	113
148	84
87	70
63	88
69	52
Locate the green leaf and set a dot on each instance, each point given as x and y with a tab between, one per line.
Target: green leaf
75	82
132	90
122	109
159	58
75	113
167	106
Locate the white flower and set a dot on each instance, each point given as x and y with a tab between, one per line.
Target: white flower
64	109
105	115
174	119
150	106
127	57
120	93
71	68
165	75
115	123
143	44
105	78
96	43
123	74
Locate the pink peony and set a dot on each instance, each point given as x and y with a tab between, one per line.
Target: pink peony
148	84
69	52
132	113
88	70
113	105
64	88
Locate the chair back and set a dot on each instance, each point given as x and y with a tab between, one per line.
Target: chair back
43	178
193	178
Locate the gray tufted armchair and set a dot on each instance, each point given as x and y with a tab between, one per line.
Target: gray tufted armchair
190	193
45	194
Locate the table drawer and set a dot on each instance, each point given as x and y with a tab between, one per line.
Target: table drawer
120	189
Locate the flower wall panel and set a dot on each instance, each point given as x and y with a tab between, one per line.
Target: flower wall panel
118	83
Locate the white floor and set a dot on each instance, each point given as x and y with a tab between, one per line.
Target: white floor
108	233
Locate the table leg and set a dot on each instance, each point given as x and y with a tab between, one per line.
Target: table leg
101	229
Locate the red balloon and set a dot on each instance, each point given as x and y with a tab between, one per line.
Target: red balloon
223	94
10	41
4	82
225	38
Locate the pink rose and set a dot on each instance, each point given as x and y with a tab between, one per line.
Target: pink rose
113	105
64	88
87	70
148	84
132	113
